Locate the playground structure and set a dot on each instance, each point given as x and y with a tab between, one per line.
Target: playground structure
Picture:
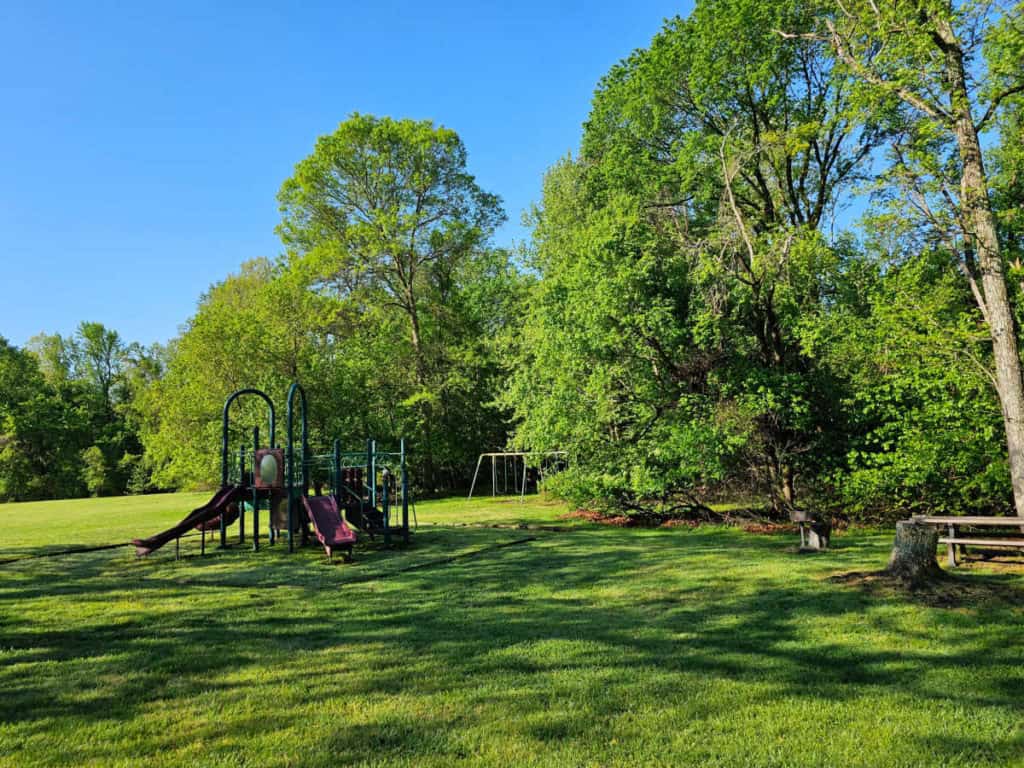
510	463
365	489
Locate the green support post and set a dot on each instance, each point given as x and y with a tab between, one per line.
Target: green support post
371	481
336	469
241	481
223	532
373	476
405	495
255	493
385	505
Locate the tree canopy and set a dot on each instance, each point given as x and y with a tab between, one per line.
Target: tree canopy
785	265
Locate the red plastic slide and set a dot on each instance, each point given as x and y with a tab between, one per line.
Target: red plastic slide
330	527
214	508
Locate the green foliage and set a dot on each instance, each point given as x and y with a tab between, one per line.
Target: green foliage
605	357
696	323
385	306
98	358
680	257
249	331
40	429
95	473
926	431
69	416
685	317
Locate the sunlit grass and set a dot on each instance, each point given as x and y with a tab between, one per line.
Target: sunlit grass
488	646
62	525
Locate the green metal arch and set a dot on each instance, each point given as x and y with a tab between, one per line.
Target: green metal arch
224	426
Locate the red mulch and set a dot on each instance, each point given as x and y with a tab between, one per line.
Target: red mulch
679	522
630	521
769	528
592	516
651	521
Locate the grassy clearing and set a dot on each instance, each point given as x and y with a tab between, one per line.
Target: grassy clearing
46	526
596	646
42	525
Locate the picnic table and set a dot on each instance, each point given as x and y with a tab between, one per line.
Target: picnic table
955	536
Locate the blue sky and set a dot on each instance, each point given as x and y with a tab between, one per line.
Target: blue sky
142	145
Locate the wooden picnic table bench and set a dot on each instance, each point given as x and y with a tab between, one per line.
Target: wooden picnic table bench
955	538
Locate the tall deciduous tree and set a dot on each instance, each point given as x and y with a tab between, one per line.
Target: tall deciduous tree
385	217
41	432
710	165
925	57
387	205
55	355
99	357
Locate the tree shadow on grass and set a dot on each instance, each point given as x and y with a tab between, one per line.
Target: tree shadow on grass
611	617
948	590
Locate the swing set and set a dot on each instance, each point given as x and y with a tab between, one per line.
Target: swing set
543	463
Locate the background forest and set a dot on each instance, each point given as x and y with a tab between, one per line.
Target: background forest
765	273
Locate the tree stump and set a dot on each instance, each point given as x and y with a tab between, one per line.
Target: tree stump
913	553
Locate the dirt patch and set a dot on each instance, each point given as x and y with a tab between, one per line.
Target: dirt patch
770	528
992	561
517	500
601	518
643	520
681	523
655	520
947	591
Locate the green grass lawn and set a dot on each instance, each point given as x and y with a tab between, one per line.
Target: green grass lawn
491	646
51	526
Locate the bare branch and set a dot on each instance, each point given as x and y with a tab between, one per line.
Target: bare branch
920	201
800	36
997	100
934	111
727	177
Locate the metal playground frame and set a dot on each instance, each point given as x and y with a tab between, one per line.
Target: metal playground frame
515	456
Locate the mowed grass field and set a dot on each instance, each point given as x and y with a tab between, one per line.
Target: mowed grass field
503	646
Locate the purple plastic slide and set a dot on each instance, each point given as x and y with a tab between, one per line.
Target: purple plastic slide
230	515
330	527
209	511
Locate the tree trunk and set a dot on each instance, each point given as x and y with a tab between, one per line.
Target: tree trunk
913	553
417	349
781	484
977	212
788	489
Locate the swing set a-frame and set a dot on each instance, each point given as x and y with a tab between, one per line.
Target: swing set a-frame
511	461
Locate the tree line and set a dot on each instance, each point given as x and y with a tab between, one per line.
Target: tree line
69	414
784	263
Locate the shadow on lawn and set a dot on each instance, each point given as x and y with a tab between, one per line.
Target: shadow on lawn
634	615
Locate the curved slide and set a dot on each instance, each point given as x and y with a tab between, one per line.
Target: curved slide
328	524
210	511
